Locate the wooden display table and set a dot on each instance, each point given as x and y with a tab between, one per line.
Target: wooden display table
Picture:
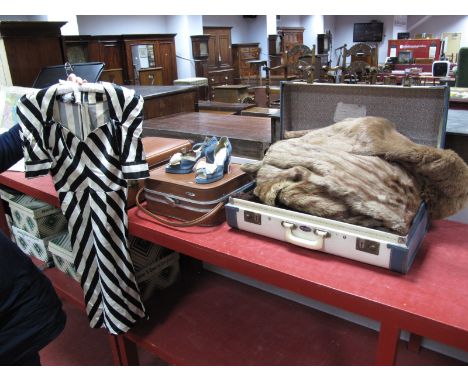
249	136
166	100
230	93
231	107
261	112
418	79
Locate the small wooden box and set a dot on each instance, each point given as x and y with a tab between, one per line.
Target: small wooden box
230	93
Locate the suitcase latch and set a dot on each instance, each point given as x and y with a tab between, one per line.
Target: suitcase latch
368	246
252	217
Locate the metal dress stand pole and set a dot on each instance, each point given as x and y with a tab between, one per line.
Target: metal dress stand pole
259	64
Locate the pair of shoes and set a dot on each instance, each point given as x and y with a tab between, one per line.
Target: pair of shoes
216	163
185	163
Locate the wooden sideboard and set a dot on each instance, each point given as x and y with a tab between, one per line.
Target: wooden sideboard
163	48
28	47
219	69
117	52
104	48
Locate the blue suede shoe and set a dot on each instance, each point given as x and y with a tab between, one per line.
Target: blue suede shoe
216	163
184	163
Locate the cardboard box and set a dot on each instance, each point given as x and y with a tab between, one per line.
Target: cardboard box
34	246
60	249
36	217
155	267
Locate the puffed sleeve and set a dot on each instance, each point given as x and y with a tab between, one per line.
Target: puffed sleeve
36	158
132	156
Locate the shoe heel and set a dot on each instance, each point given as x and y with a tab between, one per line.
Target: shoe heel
227	162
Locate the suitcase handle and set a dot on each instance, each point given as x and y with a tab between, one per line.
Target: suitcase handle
316	244
171	223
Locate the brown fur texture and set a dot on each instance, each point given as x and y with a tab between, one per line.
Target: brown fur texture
361	171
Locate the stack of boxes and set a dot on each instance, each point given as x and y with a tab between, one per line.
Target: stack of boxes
60	249
155	267
40	230
35	223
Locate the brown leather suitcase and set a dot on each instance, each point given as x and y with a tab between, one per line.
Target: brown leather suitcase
158	151
178	196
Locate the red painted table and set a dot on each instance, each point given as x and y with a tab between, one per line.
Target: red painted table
430	301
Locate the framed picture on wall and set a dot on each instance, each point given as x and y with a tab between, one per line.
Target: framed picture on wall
405	57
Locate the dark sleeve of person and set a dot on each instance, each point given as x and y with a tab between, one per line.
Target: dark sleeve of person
31	313
11	148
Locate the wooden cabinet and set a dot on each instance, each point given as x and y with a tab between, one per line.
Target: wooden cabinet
167	60
219	62
126	56
200	55
278	46
200	46
290	37
245	73
219	47
220	77
106	49
151	51
26	47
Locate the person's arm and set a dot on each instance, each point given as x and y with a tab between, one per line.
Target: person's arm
11	149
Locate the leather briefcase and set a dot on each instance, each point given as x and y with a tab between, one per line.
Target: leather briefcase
178	196
158	151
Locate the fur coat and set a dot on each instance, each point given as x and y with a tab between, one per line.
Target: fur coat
361	171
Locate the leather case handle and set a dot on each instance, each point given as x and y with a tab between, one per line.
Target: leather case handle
170	223
316	243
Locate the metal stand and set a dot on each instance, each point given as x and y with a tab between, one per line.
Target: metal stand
263	65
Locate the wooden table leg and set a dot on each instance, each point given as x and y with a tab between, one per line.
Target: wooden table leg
388	342
127	351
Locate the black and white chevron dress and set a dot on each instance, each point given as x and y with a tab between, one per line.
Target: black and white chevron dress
88	137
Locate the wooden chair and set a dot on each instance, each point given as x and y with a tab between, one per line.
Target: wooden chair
362	58
300	61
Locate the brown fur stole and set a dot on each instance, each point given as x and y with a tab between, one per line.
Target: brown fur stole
361	171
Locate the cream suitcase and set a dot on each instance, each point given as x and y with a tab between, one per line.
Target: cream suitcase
418	112
367	245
